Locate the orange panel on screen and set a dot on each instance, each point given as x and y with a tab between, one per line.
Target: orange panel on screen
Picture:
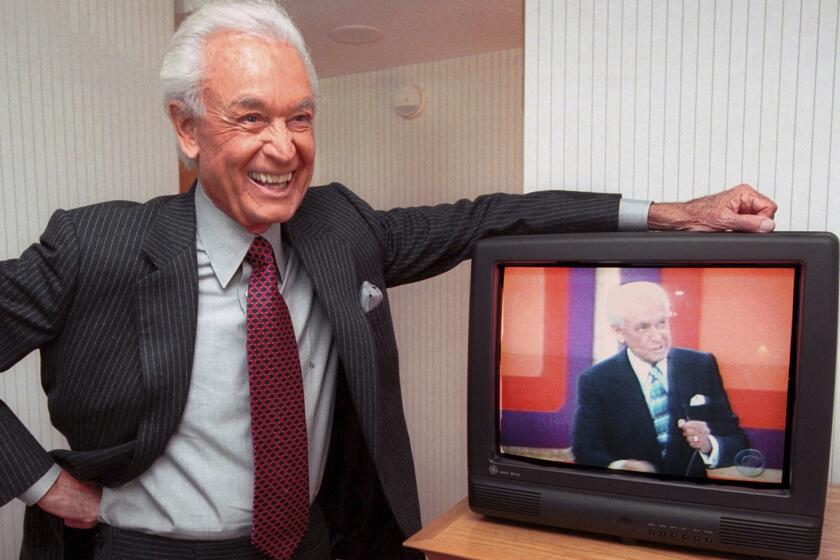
747	316
533	342
684	287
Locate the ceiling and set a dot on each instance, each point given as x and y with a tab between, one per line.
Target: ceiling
412	30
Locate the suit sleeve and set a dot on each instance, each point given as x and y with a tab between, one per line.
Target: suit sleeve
424	241
35	292
722	421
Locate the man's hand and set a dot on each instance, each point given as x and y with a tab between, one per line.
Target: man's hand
75	501
696	433
740	208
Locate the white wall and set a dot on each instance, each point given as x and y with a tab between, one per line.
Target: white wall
468	142
669	100
80	122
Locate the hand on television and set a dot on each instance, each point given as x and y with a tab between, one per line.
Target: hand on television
75	501
696	433
740	208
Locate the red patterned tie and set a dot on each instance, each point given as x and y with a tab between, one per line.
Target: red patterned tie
278	420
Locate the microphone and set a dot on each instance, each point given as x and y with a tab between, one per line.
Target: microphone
696	409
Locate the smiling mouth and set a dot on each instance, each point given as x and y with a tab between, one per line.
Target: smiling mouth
269	180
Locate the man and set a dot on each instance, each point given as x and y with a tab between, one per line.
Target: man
651	407
151	322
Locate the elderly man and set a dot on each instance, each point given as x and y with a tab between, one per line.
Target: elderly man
222	361
651	407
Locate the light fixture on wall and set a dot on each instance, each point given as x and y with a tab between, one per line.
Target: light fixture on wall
355	34
409	102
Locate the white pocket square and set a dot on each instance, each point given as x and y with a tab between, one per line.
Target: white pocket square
369	296
697	400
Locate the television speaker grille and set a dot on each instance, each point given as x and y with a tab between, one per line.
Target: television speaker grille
522	502
796	539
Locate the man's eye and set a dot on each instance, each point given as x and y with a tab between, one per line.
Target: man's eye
302	119
251	118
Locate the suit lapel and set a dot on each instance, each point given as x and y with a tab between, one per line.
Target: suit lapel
678	388
327	259
628	389
166	305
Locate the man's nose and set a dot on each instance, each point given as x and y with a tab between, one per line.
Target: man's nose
278	143
658	334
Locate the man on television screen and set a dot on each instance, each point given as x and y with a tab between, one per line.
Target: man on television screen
651	407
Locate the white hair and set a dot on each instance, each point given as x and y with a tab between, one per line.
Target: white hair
620	298
183	65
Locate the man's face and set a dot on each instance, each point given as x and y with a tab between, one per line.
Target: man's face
255	144
645	330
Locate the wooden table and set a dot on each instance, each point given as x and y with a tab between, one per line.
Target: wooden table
460	534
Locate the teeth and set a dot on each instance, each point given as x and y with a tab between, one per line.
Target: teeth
266	178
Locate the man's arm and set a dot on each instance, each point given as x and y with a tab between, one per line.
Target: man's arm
723	423
425	241
717	435
35	293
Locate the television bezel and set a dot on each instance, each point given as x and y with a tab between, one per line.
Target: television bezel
814	254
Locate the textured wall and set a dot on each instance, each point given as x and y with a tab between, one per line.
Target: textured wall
468	142
80	122
667	100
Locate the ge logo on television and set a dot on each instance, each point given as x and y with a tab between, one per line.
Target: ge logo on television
494	469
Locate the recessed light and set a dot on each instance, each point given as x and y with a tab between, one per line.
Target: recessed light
355	34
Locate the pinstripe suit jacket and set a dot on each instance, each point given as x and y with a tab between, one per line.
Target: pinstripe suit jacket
109	296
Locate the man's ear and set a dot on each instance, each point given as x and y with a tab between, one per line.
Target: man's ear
619	333
185	128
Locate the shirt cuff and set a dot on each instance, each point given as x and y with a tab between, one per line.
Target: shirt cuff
711	460
35	492
633	214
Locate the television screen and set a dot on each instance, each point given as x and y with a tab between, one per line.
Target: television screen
664	386
579	345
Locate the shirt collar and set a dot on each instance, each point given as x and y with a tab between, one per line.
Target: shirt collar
642	368
225	241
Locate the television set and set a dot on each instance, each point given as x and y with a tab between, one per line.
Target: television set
553	438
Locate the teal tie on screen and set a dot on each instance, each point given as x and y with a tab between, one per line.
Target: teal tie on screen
659	408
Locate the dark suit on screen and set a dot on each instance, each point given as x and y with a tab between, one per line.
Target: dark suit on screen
613	421
109	296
